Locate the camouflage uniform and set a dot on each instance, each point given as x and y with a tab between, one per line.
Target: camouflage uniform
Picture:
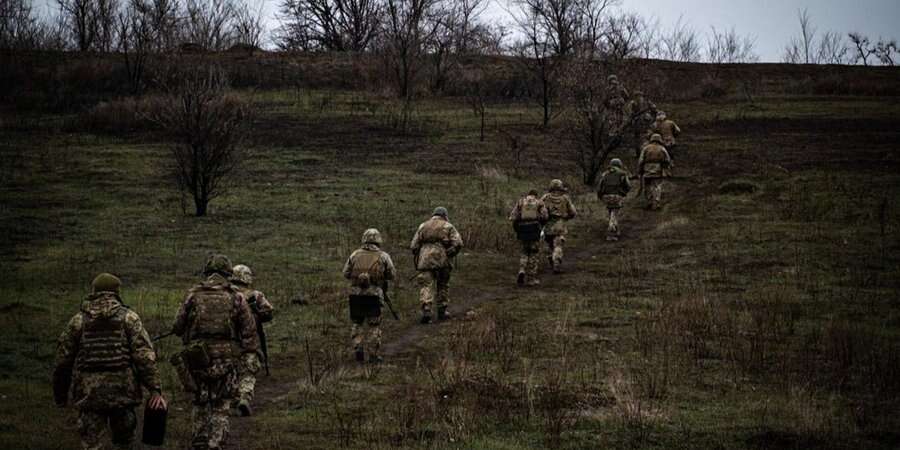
529	211
654	166
105	356
668	130
216	318
561	210
616	100
435	244
613	188
263	312
369	270
643	112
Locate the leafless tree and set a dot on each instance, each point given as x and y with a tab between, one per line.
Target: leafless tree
335	25
92	23
650	40
408	26
22	29
456	28
681	43
209	23
557	23
136	36
248	26
833	49
488	39
728	46
595	25
165	21
624	36
886	51
863	48
207	127
802	48
536	56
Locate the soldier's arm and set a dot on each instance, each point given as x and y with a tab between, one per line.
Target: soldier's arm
571	206
348	267
265	311
246	326
514	214
544	213
142	354
181	317
456	242
676	129
389	270
66	350
626	183
414	245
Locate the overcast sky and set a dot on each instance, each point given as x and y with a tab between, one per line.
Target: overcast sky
771	22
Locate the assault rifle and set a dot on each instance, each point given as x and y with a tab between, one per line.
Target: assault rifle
162	336
387	301
261	334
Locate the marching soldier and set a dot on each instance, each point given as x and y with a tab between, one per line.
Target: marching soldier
561	210
434	245
242	280
104	357
219	334
613	188
369	270
668	131
654	166
528	216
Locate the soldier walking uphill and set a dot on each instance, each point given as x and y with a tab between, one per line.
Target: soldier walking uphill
219	333
654	166
668	130
528	216
643	112
561	210
369	270
105	356
434	245
242	280
613	188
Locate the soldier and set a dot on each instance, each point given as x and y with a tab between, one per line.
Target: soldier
613	188
616	102
654	166
642	111
369	270
105	356
668	130
528	216
241	280
217	328
561	210
434	245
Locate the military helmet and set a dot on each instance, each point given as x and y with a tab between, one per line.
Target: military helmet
638	93
557	185
656	138
440	211
106	282
372	236
616	162
242	274
612	79
217	263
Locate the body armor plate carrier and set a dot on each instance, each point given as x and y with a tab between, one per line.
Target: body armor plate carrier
213	308
104	344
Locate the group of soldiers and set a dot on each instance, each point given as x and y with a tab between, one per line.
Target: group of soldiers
105	357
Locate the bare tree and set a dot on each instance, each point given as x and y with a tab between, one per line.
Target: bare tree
408	26
209	23
802	48
832	49
164	23
863	47
207	127
536	56
886	51
681	43
623	36
136	40
91	23
21	29
729	47
488	39
248	26
649	42
555	22
594	21
337	25
455	34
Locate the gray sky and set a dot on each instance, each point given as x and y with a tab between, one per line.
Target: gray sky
772	22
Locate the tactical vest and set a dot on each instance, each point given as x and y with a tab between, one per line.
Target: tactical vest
212	312
368	262
530	209
557	205
104	345
432	232
654	153
612	183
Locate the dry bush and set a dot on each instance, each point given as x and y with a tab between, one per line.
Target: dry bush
122	115
637	411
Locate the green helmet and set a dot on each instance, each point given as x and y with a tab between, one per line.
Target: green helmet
106	282
372	236
612	79
218	263
656	138
616	162
241	274
557	185
441	211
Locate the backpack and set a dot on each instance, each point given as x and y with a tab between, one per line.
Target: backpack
556	205
212	312
530	210
367	262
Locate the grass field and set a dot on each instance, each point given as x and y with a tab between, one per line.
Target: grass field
760	320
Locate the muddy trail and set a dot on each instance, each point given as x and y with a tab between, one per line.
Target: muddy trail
402	346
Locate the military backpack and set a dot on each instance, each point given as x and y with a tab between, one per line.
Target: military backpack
213	309
367	262
530	209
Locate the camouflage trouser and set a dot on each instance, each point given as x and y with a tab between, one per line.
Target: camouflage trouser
555	244
613	228
360	340
250	366
653	191
212	403
434	288
92	426
528	261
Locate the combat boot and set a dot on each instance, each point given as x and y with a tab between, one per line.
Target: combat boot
520	279
426	318
443	314
244	408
